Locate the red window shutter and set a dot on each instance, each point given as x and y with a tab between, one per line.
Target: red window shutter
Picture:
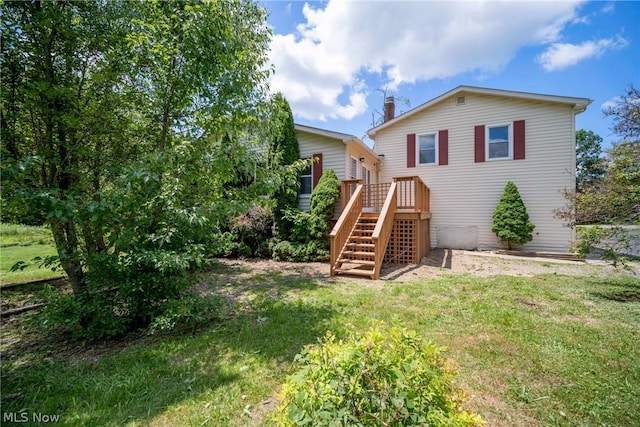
317	168
479	143
443	147
411	150
518	140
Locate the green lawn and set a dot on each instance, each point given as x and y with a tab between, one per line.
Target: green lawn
23	243
547	350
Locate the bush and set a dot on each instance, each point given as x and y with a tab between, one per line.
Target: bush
299	252
510	219
323	200
384	377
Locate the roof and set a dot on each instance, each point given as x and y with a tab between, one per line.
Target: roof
344	137
578	104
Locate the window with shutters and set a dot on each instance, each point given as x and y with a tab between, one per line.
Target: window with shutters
499	142
427	149
306	181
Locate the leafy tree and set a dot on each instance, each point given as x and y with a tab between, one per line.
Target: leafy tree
125	124
626	115
284	150
590	166
615	199
510	218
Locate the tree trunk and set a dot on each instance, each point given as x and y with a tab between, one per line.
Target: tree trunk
66	240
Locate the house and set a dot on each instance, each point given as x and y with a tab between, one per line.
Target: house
347	155
463	147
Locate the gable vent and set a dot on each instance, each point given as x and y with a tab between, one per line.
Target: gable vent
460	100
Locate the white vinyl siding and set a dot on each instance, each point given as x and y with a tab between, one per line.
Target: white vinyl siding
466	193
333	152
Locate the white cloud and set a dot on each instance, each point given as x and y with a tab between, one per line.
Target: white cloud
321	67
562	55
611	103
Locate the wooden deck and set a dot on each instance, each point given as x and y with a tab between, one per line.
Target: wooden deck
381	223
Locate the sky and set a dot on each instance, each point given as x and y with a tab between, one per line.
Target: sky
335	59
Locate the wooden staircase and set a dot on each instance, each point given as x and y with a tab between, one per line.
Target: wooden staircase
358	254
360	237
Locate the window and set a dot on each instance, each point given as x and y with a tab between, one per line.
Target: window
365	175
354	168
427	149
306	181
499	142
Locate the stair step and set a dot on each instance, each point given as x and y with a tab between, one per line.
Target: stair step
361	245
368	232
357	261
359	253
365	238
354	271
368	215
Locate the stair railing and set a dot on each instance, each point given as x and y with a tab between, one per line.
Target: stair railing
342	230
384	226
413	193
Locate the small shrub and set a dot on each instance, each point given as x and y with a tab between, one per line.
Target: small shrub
510	218
384	377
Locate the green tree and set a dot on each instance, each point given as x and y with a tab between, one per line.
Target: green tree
114	117
284	150
510	218
590	166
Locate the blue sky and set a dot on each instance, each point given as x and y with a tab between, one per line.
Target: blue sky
332	58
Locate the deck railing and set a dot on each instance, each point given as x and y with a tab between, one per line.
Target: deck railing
375	195
384	226
413	193
347	188
342	230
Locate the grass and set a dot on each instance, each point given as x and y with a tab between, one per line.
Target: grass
547	350
23	243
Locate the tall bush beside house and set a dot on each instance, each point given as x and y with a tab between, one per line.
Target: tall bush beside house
283	150
510	218
323	201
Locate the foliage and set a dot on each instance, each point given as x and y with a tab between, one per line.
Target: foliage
590	167
254	229
615	199
283	150
308	232
299	251
189	312
510	218
383	377
609	242
626	114
323	201
128	127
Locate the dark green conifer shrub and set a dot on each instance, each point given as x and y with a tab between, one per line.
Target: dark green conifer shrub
510	218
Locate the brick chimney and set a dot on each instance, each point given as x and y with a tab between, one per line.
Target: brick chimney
389	108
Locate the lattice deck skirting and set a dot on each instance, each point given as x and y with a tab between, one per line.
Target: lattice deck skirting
410	240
